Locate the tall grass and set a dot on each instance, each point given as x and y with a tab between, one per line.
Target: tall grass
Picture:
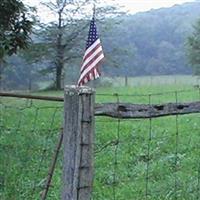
134	159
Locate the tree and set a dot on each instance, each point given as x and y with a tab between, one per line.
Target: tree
15	27
193	48
64	37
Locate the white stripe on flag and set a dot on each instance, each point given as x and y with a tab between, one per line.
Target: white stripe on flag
91	47
91	57
96	74
85	80
91	66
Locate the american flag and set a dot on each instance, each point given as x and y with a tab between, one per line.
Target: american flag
92	57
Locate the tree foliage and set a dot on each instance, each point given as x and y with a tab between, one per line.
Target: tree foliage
149	43
156	39
65	36
15	27
194	48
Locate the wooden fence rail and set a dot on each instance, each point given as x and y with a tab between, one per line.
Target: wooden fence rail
78	132
127	110
28	96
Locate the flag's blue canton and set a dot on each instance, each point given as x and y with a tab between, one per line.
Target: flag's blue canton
93	36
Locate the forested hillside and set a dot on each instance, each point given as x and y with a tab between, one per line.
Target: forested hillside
148	43
153	42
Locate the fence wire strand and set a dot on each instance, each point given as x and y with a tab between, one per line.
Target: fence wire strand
44	147
198	173
21	121
176	152
148	154
132	156
147	95
158	139
115	179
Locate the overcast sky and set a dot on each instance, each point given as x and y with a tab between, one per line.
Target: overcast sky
133	6
144	5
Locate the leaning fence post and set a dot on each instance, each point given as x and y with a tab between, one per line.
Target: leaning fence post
78	138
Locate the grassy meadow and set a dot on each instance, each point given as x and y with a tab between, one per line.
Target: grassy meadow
153	159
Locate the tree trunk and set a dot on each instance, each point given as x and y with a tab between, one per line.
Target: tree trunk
58	77
1	74
126	81
60	54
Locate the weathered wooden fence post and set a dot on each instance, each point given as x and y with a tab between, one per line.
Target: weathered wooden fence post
78	139
126	80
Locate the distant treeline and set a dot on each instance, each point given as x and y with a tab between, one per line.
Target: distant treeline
148	43
151	43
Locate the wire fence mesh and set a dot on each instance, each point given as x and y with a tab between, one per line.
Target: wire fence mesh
148	159
134	159
28	136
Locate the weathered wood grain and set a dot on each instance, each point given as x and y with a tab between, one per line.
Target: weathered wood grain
28	96
78	140
127	110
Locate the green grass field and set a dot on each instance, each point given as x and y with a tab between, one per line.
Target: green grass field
154	159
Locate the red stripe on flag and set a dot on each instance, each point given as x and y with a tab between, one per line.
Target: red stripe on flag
92	66
92	60
87	76
91	52
92	57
